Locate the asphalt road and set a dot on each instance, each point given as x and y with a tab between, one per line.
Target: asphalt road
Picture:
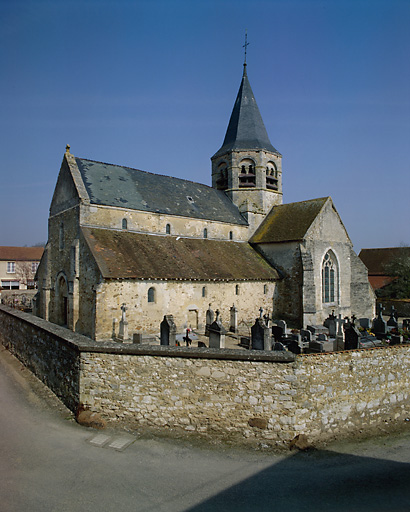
50	463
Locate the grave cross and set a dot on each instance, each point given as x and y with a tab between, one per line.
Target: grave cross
123	309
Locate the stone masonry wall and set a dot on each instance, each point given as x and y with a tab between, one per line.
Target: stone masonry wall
318	395
225	394
48	350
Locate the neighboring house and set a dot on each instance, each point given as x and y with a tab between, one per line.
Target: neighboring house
377	262
167	246
18	266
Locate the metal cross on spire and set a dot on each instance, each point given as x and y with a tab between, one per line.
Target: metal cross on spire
246	44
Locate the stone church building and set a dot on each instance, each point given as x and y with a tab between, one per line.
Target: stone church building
164	245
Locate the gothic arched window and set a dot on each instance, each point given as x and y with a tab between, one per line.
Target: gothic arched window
168	229
329	278
124	224
205	233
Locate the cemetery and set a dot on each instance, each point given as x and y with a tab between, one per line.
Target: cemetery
266	334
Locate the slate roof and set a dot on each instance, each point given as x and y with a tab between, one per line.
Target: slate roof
121	254
21	253
246	129
288	222
114	185
377	259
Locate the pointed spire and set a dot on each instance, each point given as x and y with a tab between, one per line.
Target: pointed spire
246	130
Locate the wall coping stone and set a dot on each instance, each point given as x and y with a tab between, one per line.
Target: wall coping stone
81	343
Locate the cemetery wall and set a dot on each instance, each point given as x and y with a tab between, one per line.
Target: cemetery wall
215	393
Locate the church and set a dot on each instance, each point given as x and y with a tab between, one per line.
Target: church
167	246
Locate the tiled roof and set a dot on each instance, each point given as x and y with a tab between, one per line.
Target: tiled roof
288	222
114	185
377	259
246	129
121	254
21	253
378	282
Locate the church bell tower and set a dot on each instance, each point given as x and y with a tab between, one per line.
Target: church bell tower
247	167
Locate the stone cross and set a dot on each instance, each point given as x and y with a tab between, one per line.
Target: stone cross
123	329
234	319
209	319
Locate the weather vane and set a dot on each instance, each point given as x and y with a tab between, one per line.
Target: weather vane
246	43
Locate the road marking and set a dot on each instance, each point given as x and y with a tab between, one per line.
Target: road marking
119	443
100	440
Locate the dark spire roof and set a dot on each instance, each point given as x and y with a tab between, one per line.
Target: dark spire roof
246	129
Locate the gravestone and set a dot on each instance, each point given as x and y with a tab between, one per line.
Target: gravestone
278	346
294	346
406	323
168	331
209	319
233	327
331	324
217	333
352	335
316	346
277	332
392	321
379	325
260	336
306	335
317	329
321	337
137	338
282	323
365	323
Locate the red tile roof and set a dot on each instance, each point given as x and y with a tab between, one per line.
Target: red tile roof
21	253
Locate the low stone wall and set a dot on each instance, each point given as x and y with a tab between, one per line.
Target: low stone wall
49	351
216	393
319	395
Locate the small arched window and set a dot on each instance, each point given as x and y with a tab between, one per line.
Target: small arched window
329	278
205	233
151	294
204	291
265	289
124	224
237	289
230	235
168	229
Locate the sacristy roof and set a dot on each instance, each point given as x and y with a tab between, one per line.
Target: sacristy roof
288	222
114	185
123	254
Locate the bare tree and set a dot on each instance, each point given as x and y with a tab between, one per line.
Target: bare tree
24	272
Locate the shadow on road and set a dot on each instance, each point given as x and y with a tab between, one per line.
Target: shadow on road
320	481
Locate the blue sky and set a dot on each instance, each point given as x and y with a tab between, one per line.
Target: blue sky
151	85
